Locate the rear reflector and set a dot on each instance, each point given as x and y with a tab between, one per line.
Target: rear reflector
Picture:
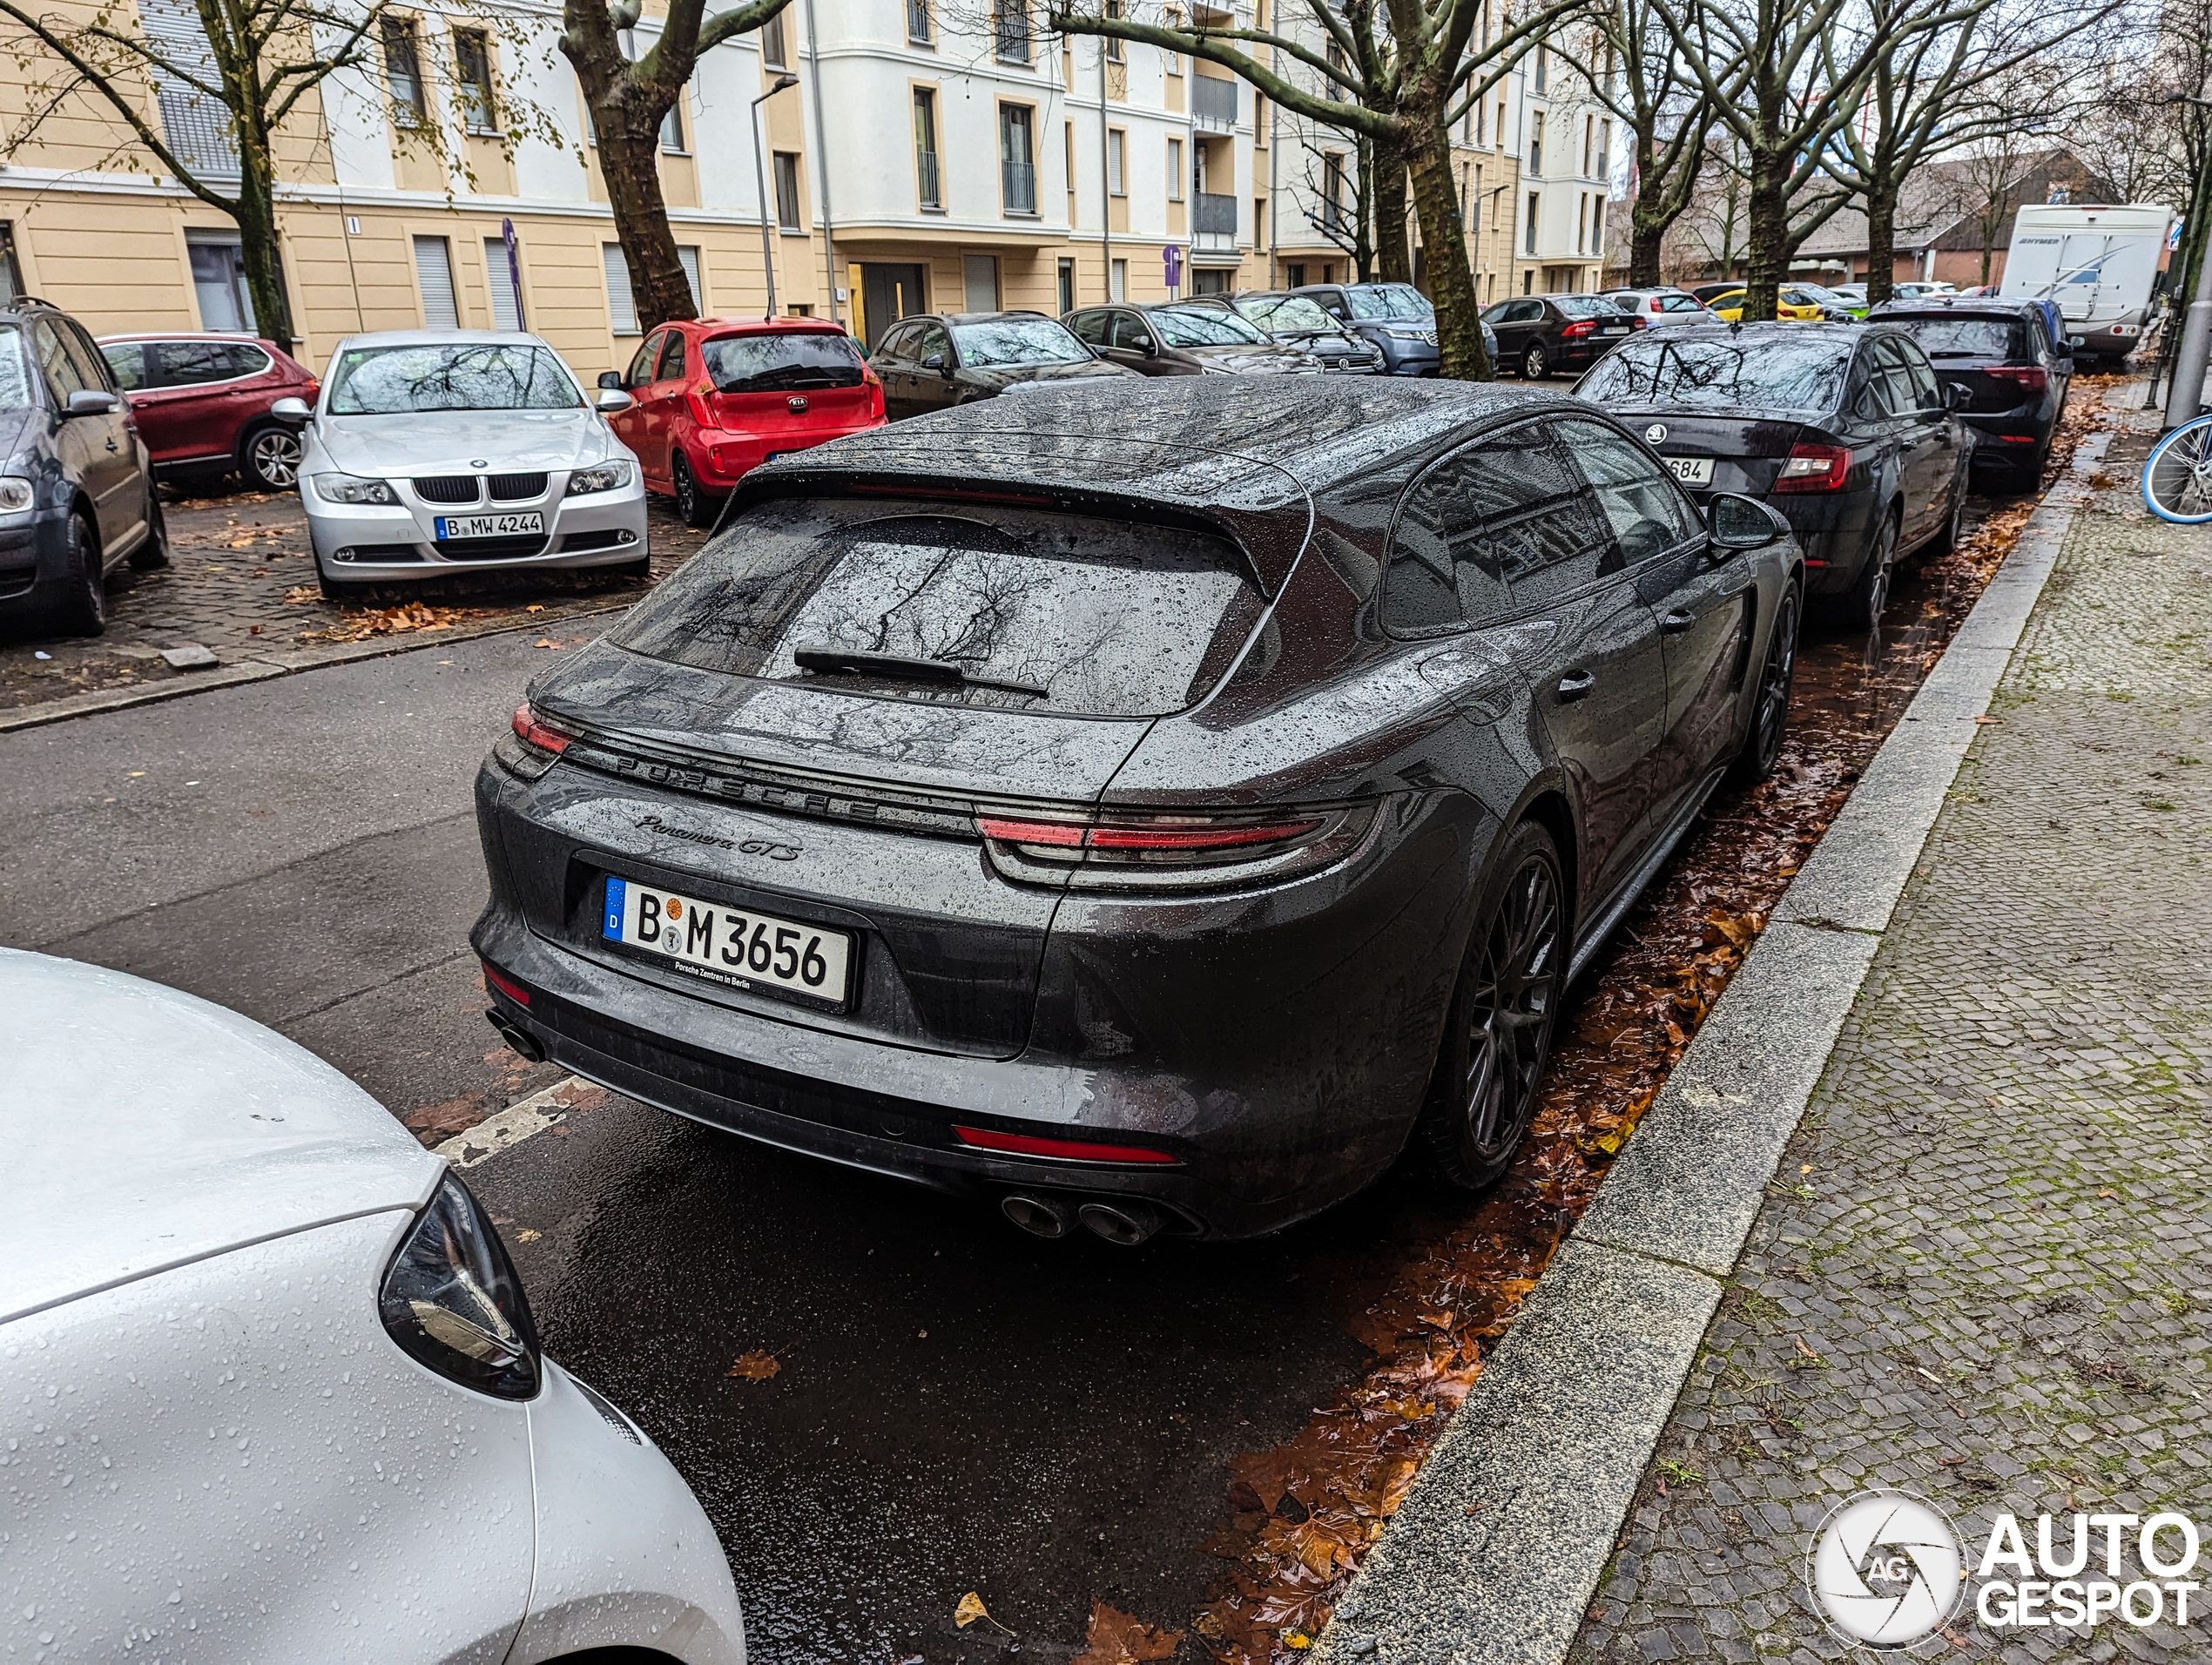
506	986
1026	1144
1814	467
534	733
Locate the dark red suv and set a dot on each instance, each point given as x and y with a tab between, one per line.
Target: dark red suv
719	396
202	403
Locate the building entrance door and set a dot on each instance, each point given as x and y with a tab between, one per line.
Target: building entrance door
883	292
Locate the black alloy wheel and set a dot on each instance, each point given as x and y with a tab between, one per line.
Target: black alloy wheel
1863	603
153	554
1954	523
1771	701
1535	363
272	457
1498	1030
694	505
82	607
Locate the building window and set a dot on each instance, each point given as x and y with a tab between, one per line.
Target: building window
1536	143
218	279
1597	224
403	73
687	256
918	22
979	282
671	126
621	304
1333	191
472	66
1478	197
434	278
1589	143
1294	274
1010	31
1117	278
1114	51
503	282
1172	60
926	176
1529	240
1017	160
1117	184
10	268
773	53
1581	222
1067	287
788	191
1543	65
1067	160
1175	169
1605	149
1501	129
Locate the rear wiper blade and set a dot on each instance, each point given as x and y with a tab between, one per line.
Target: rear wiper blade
902	667
1956	353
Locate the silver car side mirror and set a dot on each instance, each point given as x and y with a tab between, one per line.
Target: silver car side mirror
292	410
611	399
90	401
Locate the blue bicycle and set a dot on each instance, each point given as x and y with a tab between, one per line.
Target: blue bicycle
2177	478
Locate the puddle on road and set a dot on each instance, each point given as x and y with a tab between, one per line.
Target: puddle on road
1301	1516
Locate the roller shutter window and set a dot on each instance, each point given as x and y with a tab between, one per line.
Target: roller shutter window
433	273
499	281
688	256
622	306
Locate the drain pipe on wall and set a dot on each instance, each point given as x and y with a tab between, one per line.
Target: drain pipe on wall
821	160
1106	181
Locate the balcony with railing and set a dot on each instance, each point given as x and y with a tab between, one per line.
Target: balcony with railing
1010	31
926	180
1019	181
1213	101
1213	222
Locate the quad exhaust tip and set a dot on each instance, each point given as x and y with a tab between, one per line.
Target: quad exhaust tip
1126	1222
1041	1216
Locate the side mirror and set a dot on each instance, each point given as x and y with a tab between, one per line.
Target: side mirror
611	380
292	410
611	399
1733	522
90	401
1144	343
1954	397
936	362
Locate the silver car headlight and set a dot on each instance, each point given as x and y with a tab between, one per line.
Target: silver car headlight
16	494
452	1301
606	476
353	488
1411	334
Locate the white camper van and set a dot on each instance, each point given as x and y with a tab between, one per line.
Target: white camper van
2097	263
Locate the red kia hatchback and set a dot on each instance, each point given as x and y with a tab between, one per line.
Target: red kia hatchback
202	403
719	396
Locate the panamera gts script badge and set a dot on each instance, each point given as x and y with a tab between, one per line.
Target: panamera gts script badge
769	848
1656	433
797	401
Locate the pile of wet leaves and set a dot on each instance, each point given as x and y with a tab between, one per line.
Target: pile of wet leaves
364	623
1302	1514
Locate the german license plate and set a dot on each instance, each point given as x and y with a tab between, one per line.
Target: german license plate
1614	329
1692	470
453	526
728	944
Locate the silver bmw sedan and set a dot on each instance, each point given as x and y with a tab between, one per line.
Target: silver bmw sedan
435	450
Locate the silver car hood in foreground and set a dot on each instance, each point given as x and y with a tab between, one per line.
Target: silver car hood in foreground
452	441
141	1128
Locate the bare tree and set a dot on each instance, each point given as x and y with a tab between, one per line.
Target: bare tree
1396	73
1349	227
1668	118
629	101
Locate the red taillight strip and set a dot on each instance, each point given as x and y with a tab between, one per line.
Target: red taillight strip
1062	834
513	990
1071	835
535	733
1027	1144
1833	468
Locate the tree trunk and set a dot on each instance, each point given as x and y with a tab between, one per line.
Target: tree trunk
1387	191
1767	235
630	163
1362	214
1646	229
1881	238
1451	280
257	245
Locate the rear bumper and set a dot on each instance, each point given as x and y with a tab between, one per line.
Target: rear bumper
2000	435
1834	528
722	456
32	555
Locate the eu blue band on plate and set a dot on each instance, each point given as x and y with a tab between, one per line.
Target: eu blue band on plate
617	896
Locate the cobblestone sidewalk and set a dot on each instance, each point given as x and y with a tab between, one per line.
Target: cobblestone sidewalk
1985	1272
241	582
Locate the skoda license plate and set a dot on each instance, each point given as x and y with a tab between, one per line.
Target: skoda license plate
453	526
1692	470
728	944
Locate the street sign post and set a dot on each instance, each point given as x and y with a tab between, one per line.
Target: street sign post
1171	257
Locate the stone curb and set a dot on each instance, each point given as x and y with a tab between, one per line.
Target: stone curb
274	665
1497	1548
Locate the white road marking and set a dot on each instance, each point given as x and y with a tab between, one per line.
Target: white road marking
518	1122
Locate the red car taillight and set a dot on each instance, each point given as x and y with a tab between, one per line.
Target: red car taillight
2031	378
1134	851
1027	1144
533	732
1814	467
875	395
702	413
1582	329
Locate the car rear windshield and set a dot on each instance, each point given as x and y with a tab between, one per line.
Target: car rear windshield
781	362
1203	326
1586	306
1284	312
1017	341
1769	372
1946	337
1377	302
14	370
457	376
1106	617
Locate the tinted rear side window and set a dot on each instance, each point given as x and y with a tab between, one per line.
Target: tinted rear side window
1111	619
1444	568
781	363
1534	525
1966	338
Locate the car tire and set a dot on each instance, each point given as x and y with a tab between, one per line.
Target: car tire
1861	607
335	589
269	456
1954	526
1497	1027
81	608
698	509
1771	695
1535	363
641	567
153	554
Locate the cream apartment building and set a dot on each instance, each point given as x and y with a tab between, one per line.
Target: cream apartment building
929	157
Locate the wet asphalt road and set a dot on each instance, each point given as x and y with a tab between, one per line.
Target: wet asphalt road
957	1407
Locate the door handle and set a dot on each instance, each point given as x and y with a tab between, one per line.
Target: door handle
110	445
1676	621
1574	686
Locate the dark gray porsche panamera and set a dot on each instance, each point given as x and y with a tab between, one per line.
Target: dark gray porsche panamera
1152	813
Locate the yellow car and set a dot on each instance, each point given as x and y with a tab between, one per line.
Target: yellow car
1793	305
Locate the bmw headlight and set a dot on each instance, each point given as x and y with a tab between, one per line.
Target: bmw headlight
353	488
15	495
452	1301
606	476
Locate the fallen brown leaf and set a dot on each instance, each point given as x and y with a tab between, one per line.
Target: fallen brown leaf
756	1366
1118	1638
